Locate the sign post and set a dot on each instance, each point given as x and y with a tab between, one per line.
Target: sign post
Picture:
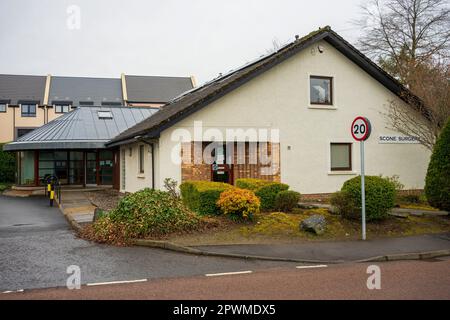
361	129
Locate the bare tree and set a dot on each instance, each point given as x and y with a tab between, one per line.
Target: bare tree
400	34
410	39
425	117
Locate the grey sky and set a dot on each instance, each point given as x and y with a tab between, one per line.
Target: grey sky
156	37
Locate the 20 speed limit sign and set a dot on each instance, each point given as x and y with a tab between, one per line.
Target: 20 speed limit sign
361	128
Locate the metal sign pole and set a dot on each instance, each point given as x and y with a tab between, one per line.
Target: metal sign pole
363	193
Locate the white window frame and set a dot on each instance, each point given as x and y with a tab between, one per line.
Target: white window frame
334	96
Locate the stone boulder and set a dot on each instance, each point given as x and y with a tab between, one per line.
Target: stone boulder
315	224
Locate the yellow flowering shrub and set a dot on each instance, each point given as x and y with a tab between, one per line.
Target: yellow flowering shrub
239	203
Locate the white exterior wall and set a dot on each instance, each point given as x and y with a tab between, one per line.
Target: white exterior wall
279	98
134	180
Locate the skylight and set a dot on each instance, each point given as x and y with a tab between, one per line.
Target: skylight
105	115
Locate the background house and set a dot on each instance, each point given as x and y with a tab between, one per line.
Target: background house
28	102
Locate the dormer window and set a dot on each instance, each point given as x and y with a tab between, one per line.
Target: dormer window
321	90
2	107
105	115
62	108
28	110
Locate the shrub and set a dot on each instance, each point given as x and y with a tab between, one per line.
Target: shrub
251	183
266	191
202	196
239	203
380	196
7	165
286	200
151	212
345	205
437	182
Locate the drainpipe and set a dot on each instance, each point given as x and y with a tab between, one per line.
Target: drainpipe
151	144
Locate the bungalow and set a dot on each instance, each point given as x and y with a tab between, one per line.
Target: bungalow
283	117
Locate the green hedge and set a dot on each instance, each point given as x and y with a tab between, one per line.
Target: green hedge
437	182
266	191
202	196
7	165
287	200
380	197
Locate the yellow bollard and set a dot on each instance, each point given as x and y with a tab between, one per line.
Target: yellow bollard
52	196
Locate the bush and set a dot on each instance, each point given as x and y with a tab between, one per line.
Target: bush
345	205
380	197
151	212
239	203
437	182
7	165
287	200
202	196
266	191
251	183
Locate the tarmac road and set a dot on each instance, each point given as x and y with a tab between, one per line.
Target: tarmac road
37	246
399	280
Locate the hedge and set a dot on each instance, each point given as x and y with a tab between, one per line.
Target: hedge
266	191
239	204
287	200
202	196
380	198
437	182
7	165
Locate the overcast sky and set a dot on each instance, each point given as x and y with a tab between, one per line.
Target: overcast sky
156	37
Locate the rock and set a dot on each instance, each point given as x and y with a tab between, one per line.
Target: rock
315	223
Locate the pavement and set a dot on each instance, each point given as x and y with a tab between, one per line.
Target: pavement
425	280
77	206
338	251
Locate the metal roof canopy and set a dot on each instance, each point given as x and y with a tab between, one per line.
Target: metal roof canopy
81	128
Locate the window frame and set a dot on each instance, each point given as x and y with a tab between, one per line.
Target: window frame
339	169
141	159
331	78
62	107
28	114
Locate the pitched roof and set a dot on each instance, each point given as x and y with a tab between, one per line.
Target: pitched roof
192	101
81	128
75	89
15	89
155	89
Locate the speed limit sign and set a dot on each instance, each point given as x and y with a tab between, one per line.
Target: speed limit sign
361	128
361	131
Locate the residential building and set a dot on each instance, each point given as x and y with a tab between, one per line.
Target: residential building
28	102
289	113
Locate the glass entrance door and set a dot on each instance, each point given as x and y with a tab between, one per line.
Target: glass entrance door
91	167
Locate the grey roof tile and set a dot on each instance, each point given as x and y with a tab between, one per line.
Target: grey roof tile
14	88
155	89
76	89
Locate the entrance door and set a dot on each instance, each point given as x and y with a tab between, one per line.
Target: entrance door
220	170
91	167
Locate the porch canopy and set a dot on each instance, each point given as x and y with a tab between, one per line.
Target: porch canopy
72	147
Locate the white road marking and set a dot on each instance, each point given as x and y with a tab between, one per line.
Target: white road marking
314	266
227	273
115	282
13	291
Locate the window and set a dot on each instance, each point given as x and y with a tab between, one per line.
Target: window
62	108
105	115
341	156
141	159
111	103
321	90
23	131
2	107
86	103
28	110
